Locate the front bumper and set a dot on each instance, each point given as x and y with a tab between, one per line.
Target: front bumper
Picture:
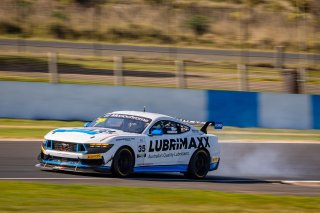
100	169
47	162
214	166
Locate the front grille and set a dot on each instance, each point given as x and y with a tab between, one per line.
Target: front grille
64	146
77	147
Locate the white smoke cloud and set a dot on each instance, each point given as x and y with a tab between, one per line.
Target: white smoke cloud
255	162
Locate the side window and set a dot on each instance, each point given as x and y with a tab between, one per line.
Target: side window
184	128
170	127
156	126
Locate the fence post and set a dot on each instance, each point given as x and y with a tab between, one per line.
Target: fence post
243	76
302	79
117	70
53	67
291	81
279	57
180	74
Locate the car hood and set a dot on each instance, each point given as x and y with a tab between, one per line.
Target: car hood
84	134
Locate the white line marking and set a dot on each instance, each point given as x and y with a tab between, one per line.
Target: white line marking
53	178
171	179
300	181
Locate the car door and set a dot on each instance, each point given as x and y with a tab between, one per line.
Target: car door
141	151
161	143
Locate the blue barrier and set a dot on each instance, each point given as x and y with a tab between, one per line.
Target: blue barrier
316	111
233	108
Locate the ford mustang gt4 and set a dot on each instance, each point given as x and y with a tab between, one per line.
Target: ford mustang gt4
126	142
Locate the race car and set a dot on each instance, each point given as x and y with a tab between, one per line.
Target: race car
126	142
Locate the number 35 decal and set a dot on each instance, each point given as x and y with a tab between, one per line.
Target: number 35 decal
141	148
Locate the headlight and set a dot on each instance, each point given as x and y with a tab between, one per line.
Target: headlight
92	145
95	148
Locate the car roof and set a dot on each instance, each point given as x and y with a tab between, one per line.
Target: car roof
150	115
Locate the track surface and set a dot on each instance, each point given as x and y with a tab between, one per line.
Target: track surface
245	167
37	45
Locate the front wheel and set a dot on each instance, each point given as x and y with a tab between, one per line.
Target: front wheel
199	165
123	163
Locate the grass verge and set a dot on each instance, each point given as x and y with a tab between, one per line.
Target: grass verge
20	128
40	197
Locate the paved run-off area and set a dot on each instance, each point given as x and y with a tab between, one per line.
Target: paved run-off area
275	168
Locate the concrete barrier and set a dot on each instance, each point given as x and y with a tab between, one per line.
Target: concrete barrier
85	102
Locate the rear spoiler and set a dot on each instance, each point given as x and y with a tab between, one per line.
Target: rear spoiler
217	125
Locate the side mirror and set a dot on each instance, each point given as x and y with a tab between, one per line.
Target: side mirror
218	125
86	124
156	132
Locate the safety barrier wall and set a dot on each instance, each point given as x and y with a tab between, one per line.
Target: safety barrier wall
85	102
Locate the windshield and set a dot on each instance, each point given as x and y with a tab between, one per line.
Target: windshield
126	123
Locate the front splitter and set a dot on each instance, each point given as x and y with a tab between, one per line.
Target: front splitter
87	169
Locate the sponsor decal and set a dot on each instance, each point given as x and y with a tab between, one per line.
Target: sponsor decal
168	155
100	120
138	118
142	155
94	156
179	143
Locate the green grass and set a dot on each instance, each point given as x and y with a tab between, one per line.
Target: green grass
20	128
39	197
23	133
26	122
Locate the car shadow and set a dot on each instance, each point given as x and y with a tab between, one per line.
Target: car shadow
168	177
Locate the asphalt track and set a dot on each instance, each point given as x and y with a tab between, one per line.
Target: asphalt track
97	48
265	168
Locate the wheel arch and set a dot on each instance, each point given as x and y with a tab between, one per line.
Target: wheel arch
131	150
190	170
206	150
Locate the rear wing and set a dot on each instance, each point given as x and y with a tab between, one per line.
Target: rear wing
216	125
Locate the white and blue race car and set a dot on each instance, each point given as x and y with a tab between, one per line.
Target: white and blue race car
126	142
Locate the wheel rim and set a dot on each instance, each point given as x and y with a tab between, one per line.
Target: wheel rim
124	163
201	164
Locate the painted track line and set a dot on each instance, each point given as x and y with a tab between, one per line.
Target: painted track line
145	179
94	178
162	179
137	178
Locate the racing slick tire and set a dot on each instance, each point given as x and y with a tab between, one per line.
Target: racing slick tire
123	163
199	165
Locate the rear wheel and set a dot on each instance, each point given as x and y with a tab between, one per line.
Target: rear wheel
123	163
199	165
